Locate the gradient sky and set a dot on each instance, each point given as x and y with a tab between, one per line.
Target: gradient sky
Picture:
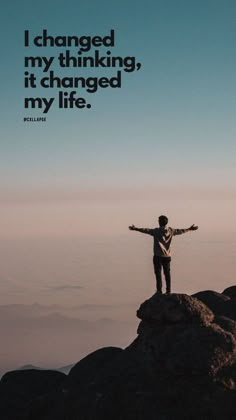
171	124
164	143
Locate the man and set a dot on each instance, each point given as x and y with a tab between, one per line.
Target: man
162	257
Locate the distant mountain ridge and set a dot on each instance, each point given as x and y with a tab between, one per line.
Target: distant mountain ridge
70	334
64	369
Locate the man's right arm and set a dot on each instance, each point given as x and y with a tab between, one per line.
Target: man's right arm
142	230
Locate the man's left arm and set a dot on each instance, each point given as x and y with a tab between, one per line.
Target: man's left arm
180	231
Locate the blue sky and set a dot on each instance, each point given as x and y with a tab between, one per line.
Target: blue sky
171	119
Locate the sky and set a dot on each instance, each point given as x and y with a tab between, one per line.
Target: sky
164	143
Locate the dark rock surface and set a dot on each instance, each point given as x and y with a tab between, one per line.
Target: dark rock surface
19	387
219	303
184	339
230	292
182	365
90	366
215	301
173	309
226	323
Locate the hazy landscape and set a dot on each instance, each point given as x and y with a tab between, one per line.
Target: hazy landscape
181	340
64	297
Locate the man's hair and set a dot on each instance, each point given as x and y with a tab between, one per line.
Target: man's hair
163	220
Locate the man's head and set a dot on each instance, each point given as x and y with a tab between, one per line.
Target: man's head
163	220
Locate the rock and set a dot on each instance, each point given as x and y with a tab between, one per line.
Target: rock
33	382
18	388
174	308
86	369
215	301
13	405
230	292
182	365
82	376
178	344
227	376
220	304
230	309
170	333
226	324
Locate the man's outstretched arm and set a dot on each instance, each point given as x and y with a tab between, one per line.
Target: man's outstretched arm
180	231
142	230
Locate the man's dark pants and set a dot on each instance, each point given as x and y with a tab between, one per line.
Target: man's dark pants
159	263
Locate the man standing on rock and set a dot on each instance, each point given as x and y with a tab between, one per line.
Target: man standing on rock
162	236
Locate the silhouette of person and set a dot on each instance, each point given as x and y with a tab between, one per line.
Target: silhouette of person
162	236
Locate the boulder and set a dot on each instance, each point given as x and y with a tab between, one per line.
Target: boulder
20	387
33	382
230	292
217	302
86	369
226	324
174	309
177	335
